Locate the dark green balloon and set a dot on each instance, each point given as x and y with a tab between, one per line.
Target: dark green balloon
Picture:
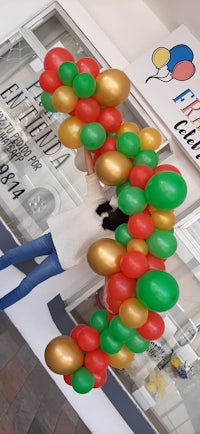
92	135
99	320
82	380
162	244
136	343
147	157
122	235
84	85
66	72
166	190
157	290
121	187
108	343
46	100
129	144
132	200
119	330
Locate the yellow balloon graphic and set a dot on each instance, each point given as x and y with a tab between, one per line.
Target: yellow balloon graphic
160	57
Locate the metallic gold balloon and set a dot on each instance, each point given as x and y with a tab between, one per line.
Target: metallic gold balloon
163	220
150	138
138	245
63	355
133	313
104	256
69	132
122	359
112	87
64	99
127	127
113	168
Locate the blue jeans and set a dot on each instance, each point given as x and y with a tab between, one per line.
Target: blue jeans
30	250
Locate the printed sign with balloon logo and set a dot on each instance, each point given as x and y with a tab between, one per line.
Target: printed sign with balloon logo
176	63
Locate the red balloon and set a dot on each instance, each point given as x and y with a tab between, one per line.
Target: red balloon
121	287
110	316
96	361
166	168
88	338
99	379
155	263
68	379
110	118
49	81
109	145
75	331
133	264
87	110
153	328
140	175
113	304
89	65
56	56
140	225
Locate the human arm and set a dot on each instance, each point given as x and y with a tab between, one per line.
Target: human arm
88	162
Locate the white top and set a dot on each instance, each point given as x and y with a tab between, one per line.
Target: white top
73	231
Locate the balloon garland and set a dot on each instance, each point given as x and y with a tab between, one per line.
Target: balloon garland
139	287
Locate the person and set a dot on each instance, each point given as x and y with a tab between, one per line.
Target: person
69	237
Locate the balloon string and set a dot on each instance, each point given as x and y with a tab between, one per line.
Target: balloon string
152	76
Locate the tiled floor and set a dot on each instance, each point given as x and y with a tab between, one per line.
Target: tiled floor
30	402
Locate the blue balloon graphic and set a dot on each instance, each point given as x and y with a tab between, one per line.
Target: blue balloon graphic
177	54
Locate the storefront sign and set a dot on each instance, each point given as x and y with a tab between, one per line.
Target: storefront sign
168	77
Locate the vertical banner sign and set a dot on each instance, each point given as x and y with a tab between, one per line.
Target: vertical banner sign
168	77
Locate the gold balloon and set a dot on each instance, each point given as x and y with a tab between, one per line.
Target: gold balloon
113	168
128	127
64	99
104	256
150	138
112	87
63	355
163	220
122	359
133	313
69	132
138	245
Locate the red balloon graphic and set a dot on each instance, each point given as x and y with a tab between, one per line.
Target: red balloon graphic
183	70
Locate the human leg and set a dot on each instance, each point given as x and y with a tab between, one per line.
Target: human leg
48	268
32	249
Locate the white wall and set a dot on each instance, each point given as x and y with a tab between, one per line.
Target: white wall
174	13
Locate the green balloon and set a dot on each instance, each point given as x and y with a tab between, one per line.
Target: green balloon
129	144
82	380
108	343
147	157
122	235
99	320
121	187
111	135
84	85
157	290
46	100
162	244
66	72
132	200
166	190
119	330
136	343
92	135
